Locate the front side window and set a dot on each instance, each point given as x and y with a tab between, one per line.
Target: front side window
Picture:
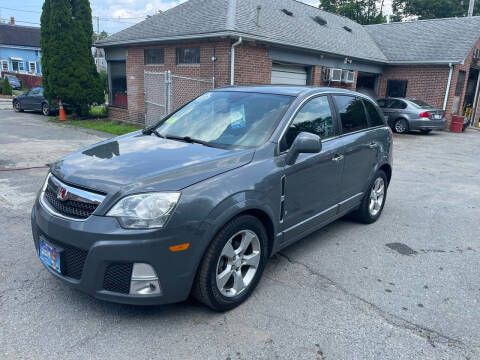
375	118
34	92
118	78
397	88
227	119
352	114
314	117
188	55
154	56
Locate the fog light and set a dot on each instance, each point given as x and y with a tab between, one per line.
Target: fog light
144	280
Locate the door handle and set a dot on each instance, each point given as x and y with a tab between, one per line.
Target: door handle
373	145
338	158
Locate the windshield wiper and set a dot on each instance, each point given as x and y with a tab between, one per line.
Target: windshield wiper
150	131
190	140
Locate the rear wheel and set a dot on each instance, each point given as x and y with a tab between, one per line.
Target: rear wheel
374	200
17	107
232	265
400	126
45	109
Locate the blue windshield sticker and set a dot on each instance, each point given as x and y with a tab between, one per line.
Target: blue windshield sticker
237	117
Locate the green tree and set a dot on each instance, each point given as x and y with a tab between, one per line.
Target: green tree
103	34
69	71
362	11
431	9
6	88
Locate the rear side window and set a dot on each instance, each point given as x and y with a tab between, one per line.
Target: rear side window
352	114
375	118
397	104
382	103
314	117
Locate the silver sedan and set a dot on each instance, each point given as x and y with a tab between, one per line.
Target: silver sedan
404	115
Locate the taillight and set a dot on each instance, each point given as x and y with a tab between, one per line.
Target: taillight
425	115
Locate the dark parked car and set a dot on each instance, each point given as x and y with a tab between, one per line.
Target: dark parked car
13	81
33	100
412	114
199	202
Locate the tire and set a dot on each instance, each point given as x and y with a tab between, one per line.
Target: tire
400	126
45	109
426	132
17	107
219	292
365	213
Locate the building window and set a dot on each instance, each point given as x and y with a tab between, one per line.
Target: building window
32	67
460	82
154	56
4	65
118	83
397	88
17	65
188	55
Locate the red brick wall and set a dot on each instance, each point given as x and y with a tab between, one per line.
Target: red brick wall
427	83
253	66
28	80
184	90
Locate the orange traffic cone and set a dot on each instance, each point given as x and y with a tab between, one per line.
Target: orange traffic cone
62	114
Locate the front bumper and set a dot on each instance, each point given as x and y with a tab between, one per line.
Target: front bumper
96	244
427	124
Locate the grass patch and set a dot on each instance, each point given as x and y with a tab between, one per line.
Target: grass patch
112	127
98	111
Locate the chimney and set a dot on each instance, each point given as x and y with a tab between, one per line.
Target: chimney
12	20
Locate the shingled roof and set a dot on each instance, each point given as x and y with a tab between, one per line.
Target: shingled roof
15	35
213	18
427	41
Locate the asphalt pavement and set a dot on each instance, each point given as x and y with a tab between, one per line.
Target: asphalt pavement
406	287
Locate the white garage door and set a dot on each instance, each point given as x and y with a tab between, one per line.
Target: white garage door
289	75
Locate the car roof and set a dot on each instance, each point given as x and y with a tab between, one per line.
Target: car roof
290	90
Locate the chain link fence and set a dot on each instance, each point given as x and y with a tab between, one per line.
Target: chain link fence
165	93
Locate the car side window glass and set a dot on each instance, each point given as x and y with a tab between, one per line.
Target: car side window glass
352	113
34	91
382	103
398	104
375	118
314	117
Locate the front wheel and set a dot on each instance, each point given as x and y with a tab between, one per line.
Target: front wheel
233	264
400	126
17	107
45	109
374	200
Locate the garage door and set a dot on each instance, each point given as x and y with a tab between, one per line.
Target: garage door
289	75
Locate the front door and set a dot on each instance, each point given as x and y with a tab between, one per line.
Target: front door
359	148
311	185
32	100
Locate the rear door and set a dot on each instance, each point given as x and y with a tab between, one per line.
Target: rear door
360	149
311	185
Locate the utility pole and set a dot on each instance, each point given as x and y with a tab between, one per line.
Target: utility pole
470	7
98	38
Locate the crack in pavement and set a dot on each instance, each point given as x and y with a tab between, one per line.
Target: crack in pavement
433	337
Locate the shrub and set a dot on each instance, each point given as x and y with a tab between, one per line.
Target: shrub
6	88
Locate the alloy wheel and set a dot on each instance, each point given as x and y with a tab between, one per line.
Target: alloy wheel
16	106
45	110
377	196
400	126
238	263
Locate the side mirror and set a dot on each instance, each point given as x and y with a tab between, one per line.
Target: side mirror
304	143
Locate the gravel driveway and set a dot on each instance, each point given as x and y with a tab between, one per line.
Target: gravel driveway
406	287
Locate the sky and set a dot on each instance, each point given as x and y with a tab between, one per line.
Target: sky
114	15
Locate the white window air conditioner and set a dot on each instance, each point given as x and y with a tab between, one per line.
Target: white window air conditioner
331	75
348	76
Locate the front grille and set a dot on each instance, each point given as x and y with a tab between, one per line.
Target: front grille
72	259
70	208
117	277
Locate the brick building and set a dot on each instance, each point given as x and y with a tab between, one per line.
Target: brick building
288	42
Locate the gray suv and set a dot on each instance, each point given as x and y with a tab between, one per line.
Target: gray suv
198	203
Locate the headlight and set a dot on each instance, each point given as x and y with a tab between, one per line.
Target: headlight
145	211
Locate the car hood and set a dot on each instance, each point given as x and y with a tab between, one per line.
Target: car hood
137	162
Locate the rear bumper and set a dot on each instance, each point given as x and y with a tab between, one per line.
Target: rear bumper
427	124
103	243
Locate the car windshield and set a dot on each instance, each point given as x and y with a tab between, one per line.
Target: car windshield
11	77
420	103
227	118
